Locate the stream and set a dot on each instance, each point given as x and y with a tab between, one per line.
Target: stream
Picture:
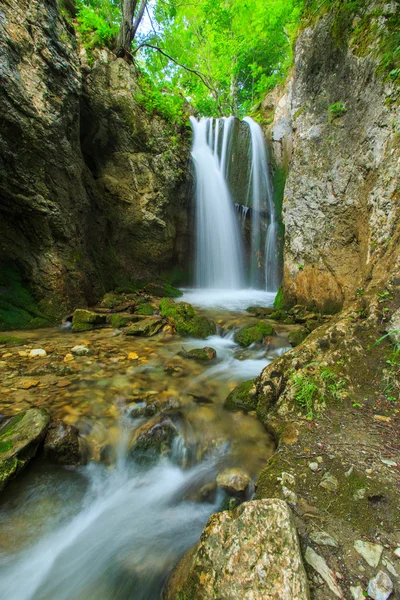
115	528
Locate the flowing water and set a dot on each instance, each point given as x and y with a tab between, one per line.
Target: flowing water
218	245
113	529
261	194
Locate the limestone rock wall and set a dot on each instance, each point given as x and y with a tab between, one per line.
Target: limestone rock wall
341	202
91	186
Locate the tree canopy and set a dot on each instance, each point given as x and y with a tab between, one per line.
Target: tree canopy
221	56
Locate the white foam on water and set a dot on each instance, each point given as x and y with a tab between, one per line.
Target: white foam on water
232	300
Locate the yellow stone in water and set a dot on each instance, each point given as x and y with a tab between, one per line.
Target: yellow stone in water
133	355
23	353
68	358
26	385
7	355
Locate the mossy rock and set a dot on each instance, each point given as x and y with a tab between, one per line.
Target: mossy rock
254	333
279	315
281	302
162	291
153	439
85	320
18	307
185	320
20	438
242	397
62	444
297	337
112	300
118	320
202	354
10	340
260	311
145	309
145	327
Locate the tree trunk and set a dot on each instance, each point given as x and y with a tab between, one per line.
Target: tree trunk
129	27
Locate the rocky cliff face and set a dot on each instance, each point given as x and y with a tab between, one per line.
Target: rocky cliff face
91	189
337	126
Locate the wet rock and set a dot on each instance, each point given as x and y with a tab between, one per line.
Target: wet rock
397	552
62	444
185	320
153	439
259	311
203	354
85	320
242	397
80	350
380	587
329	482
150	404
251	552
318	563
253	333
20	438
321	538
297	337
371	553
37	353
145	327
118	320
235	482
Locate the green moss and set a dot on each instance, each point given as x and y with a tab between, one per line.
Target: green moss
162	291
10	340
145	309
112	300
18	307
278	315
297	337
118	320
281	302
5	446
254	333
185	320
85	320
243	397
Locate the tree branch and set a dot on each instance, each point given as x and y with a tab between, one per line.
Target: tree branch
197	73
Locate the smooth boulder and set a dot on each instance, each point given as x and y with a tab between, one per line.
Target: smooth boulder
145	327
251	552
20	438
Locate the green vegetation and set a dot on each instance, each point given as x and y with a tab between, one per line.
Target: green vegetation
98	23
183	317
242	398
253	333
10	340
145	309
313	389
391	374
18	307
336	110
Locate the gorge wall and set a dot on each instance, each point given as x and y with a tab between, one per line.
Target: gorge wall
92	186
336	129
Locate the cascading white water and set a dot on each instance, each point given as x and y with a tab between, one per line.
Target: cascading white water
260	189
218	246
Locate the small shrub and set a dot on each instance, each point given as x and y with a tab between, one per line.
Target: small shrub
336	110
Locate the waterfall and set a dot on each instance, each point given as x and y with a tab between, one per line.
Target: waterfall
218	246
260	190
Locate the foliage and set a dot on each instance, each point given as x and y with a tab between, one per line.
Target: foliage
161	99
336	110
239	49
391	375
98	23
314	388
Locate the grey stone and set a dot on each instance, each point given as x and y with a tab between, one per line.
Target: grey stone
380	587
329	482
318	563
323	539
371	553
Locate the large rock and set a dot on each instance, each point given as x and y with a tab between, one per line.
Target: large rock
92	193
62	444
250	553
20	438
85	320
185	320
145	327
339	199
242	397
253	333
